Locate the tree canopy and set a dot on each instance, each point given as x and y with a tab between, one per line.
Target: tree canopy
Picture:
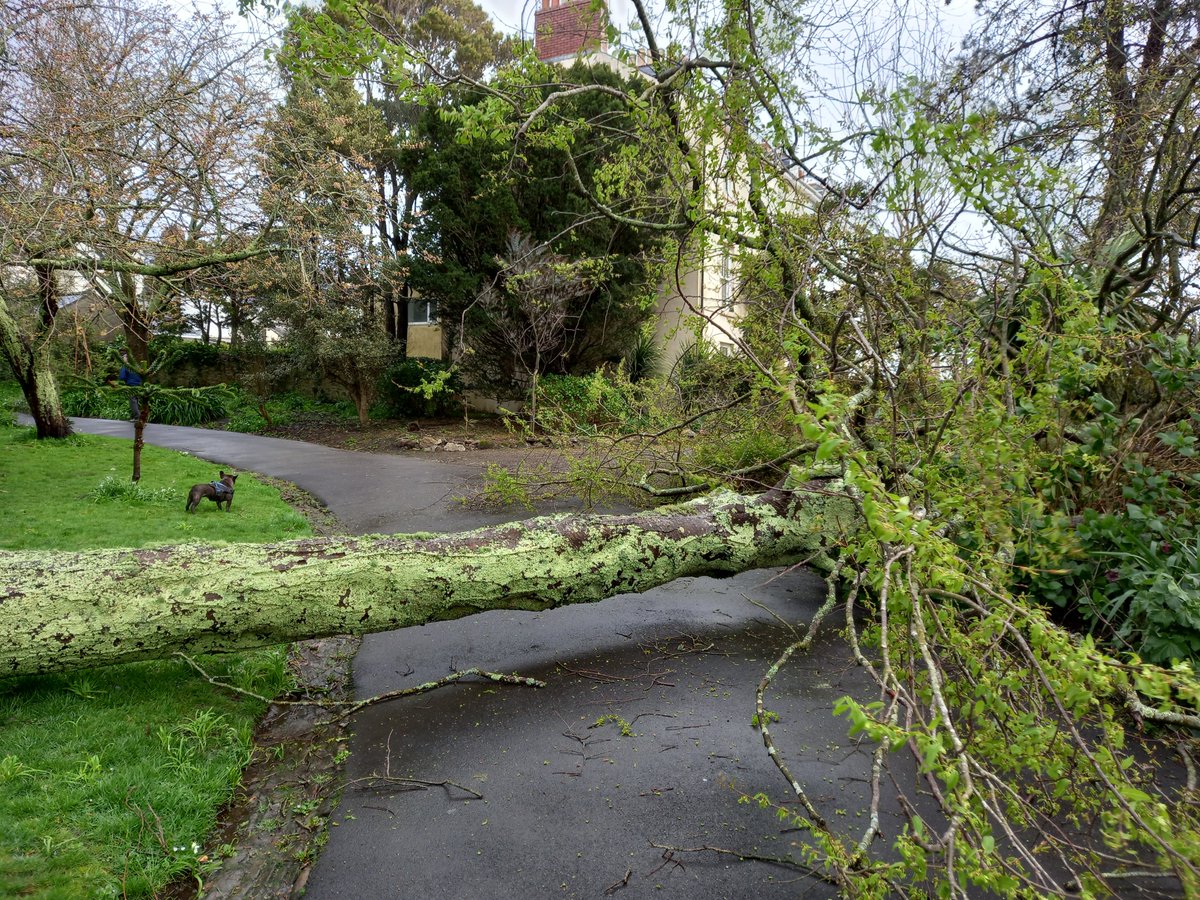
478	188
119	169
968	284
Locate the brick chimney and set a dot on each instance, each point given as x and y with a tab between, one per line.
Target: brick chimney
566	28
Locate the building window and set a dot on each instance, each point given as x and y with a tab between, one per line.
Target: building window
726	281
422	312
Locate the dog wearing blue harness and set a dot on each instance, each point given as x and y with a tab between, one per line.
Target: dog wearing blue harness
217	491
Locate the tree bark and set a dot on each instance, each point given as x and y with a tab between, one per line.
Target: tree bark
139	436
29	359
63	611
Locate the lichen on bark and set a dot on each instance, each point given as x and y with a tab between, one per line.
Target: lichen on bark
61	611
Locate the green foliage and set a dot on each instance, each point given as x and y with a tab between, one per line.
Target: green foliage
1130	572
702	377
168	406
644	357
183	353
112	778
284	408
94	400
188	406
420	388
117	490
502	488
759	442
475	197
625	728
1004	676
586	404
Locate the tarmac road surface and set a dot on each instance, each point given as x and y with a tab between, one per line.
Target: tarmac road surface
641	741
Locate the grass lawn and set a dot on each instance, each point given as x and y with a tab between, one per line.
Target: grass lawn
110	779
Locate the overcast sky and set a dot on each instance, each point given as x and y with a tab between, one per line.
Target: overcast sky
509	14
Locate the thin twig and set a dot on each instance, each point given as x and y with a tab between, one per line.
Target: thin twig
617	885
419	783
353	706
780	619
752	857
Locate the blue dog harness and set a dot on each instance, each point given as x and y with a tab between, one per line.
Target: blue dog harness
221	488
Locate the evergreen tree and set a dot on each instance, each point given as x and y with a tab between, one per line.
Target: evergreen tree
478	191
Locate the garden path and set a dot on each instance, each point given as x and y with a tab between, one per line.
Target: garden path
642	738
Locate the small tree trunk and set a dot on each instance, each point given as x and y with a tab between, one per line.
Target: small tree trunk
62	611
139	433
30	363
45	406
133	318
389	315
533	397
362	404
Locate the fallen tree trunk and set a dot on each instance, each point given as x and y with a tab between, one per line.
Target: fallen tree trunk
62	611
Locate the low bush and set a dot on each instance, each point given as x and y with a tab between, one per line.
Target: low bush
174	406
183	353
94	400
703	377
729	452
251	415
1131	575
1127	567
588	404
424	388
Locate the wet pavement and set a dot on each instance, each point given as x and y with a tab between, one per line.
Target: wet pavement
641	741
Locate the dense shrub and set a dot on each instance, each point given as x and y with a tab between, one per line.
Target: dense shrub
644	358
94	401
1131	576
186	353
420	388
190	406
757	443
1127	568
587	403
249	413
178	406
703	377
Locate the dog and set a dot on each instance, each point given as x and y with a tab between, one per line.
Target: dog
217	491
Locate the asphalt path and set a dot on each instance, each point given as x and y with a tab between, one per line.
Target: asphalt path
622	777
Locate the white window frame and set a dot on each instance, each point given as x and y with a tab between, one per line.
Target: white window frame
422	312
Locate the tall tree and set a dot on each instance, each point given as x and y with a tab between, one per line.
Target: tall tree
325	289
948	339
1126	71
449	39
476	191
120	163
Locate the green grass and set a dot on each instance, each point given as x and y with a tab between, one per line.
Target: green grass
58	494
110	779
